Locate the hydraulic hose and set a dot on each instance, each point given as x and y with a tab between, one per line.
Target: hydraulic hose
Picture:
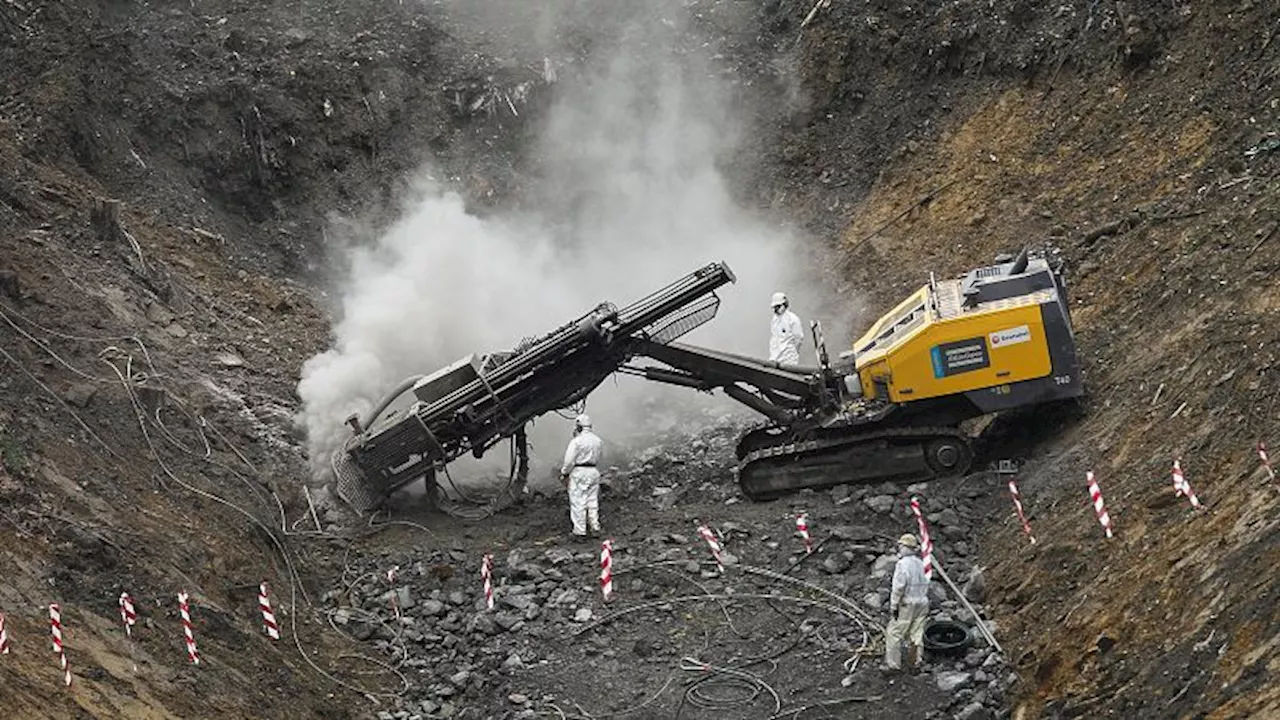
390	397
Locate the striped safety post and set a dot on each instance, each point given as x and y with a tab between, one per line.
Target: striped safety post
486	574
1017	505
1095	494
4	637
802	527
391	582
187	630
706	534
606	569
268	617
1182	487
55	628
926	545
1266	461
128	617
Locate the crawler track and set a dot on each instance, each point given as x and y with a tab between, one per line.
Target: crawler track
772	464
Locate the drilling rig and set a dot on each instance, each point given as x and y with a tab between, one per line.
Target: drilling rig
889	408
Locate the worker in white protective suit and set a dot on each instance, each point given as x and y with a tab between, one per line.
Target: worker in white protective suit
581	476
908	606
785	332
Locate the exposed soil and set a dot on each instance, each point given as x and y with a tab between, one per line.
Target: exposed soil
167	172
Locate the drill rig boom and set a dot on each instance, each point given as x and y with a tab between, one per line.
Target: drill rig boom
889	409
478	401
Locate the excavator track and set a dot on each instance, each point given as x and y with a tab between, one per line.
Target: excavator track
771	464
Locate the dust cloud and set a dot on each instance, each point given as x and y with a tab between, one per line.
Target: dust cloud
630	198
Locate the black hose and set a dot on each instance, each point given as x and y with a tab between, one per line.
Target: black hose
390	397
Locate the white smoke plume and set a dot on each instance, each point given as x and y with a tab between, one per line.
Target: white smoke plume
632	197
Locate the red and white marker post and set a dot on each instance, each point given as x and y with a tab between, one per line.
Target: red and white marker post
1095	493
268	617
4	637
926	545
187	630
710	537
391	583
55	628
1017	505
1182	487
486	573
129	618
1266	461
606	570
802	527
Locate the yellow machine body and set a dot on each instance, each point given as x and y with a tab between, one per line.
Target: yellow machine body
934	344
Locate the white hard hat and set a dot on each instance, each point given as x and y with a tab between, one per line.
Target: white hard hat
778	299
909	541
583	421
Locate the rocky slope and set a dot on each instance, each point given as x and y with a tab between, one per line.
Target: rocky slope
152	347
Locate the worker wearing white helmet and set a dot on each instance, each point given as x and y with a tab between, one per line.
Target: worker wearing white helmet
581	476
908	606
785	332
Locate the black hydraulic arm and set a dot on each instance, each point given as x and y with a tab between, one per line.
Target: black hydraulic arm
780	392
542	375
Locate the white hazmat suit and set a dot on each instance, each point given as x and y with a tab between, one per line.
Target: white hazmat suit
785	333
583	478
908	606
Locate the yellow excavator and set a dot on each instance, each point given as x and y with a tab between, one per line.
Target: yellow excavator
889	408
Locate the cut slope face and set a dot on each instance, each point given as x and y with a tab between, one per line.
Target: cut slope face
918	137
1153	186
165	173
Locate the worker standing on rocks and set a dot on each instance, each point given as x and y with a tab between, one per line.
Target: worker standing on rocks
581	476
908	606
785	332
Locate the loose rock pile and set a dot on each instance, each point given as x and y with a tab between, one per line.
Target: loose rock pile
672	607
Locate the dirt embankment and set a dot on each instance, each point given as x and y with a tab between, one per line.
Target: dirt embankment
1141	147
166	170
921	136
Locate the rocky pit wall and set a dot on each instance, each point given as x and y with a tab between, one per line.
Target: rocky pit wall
1138	141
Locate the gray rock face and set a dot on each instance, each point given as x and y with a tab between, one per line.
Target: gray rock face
975	711
880	503
937	593
951	680
852	533
948	517
836	564
883	566
506	620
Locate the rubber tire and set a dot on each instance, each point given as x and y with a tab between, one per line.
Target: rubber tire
944	637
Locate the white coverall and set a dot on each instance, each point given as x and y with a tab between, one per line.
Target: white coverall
909	605
580	460
785	336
